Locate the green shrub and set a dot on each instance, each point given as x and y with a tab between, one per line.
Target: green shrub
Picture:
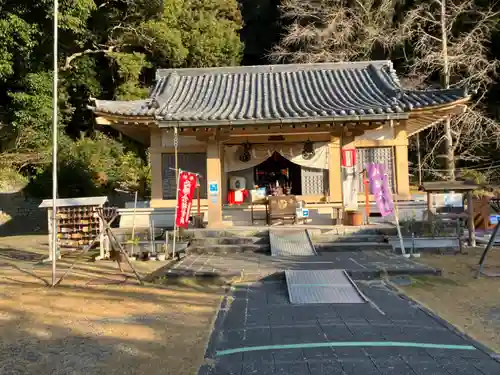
10	179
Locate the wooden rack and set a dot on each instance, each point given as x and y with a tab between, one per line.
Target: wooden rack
77	226
78	222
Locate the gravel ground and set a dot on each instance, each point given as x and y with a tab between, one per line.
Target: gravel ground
90	326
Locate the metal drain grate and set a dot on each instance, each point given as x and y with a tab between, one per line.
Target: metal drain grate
290	243
324	286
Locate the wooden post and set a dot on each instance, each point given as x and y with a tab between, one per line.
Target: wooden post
419	161
198	197
214	177
470	222
51	228
156	160
102	247
429	208
400	162
334	170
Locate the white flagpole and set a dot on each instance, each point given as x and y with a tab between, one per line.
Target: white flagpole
175	215
395	197
54	143
177	176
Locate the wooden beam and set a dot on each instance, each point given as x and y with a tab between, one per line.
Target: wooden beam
115	118
103	121
285	128
354	133
364	143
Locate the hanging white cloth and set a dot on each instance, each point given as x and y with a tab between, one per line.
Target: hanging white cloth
260	153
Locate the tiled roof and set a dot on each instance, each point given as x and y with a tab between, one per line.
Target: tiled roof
280	93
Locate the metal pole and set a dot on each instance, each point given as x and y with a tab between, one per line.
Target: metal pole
490	244
367	196
54	143
177	174
394	188
419	161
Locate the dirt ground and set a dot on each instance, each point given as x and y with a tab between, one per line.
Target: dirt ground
472	305
94	322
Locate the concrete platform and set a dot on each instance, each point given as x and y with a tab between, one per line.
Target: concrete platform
258	331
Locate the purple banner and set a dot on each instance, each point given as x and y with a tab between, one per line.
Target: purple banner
379	187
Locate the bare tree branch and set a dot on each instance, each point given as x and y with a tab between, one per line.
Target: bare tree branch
336	30
69	59
441	38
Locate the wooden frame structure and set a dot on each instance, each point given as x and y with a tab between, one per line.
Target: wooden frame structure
454	186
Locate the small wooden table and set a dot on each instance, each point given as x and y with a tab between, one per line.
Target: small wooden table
259	202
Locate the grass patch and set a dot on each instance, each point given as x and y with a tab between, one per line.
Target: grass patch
431	281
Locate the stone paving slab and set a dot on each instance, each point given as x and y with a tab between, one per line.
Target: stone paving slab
260	314
359	265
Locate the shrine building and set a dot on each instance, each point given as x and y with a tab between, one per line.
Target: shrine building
249	127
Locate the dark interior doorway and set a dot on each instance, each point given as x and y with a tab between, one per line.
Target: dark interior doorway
271	169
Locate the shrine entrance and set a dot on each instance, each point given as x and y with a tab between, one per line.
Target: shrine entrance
277	171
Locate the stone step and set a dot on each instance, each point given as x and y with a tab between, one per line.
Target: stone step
349	231
332	247
355	238
208	241
229	249
225	233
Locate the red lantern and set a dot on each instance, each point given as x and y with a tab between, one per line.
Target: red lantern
348	157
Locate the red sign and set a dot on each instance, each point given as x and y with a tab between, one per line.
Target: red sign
186	186
348	157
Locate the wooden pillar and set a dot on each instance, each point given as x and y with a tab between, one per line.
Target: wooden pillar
224	182
470	221
156	166
402	178
214	182
334	172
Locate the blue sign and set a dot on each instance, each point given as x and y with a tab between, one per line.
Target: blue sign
302	213
213	188
494	219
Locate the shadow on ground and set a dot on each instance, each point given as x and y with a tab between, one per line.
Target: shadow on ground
96	322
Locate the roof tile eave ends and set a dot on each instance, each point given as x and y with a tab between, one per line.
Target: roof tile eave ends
169	122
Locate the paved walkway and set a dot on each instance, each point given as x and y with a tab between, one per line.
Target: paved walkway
301	340
359	264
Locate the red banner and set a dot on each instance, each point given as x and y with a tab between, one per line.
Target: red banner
186	186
